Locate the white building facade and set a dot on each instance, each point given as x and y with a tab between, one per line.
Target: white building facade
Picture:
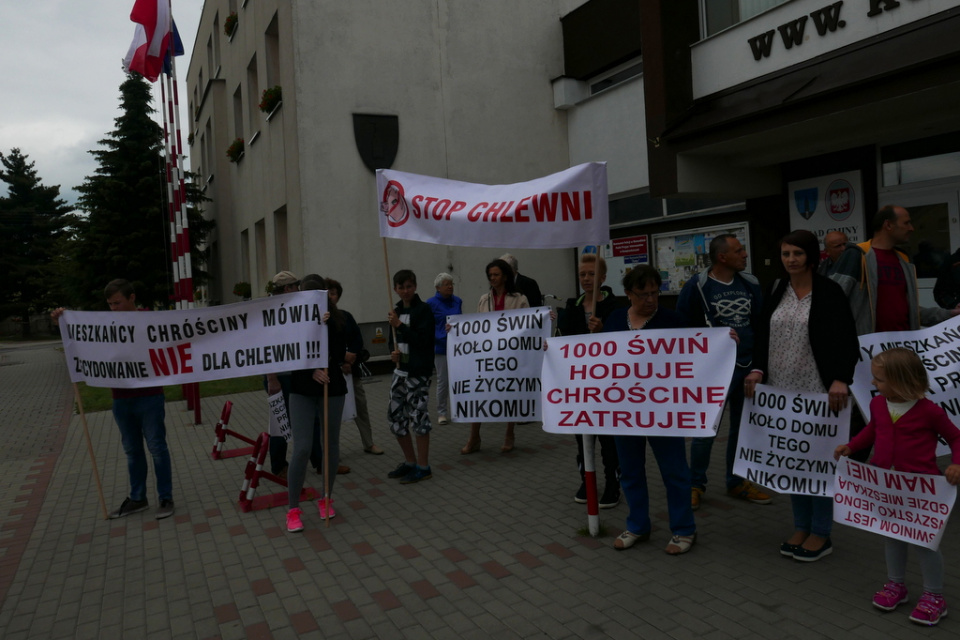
467	86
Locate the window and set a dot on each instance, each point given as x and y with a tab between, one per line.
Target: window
280	238
272	42
921	160
253	97
207	156
717	15
615	78
245	255
645	208
238	113
260	232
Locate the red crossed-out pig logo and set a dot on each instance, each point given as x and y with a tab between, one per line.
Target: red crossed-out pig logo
394	205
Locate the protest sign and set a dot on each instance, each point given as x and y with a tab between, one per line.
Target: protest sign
939	349
912	507
155	348
493	364
561	210
669	382
787	440
279	419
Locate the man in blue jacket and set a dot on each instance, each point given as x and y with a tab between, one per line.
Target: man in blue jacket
725	296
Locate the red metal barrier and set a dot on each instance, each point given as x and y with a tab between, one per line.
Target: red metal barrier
252	476
222	432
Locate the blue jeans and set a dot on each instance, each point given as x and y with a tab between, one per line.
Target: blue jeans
671	456
812	514
700	447
141	419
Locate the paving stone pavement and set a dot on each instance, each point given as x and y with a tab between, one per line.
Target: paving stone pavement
489	548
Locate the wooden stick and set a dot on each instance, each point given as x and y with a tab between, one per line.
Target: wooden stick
386	266
326	448
93	458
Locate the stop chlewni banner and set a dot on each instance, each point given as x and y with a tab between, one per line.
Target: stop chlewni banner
493	364
561	210
154	348
939	349
912	507
787	441
669	382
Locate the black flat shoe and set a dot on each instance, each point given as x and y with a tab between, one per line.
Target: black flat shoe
787	550
806	555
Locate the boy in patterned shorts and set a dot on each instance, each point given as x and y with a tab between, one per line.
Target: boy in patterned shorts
413	323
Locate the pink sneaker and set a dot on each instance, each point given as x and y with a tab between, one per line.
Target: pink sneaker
294	523
891	596
930	609
325	505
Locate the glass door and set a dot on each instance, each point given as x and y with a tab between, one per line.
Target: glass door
935	213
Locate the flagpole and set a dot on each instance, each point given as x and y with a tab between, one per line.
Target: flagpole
386	266
184	261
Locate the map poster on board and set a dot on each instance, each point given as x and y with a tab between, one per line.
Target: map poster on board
680	255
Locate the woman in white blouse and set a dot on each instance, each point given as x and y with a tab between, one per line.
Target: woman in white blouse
806	342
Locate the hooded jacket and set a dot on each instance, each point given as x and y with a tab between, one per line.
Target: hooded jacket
856	274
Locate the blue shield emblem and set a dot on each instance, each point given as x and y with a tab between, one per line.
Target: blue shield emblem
806	201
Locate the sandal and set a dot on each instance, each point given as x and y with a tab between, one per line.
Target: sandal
627	539
680	544
471	447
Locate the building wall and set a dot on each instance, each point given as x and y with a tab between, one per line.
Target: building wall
259	185
470	84
610	127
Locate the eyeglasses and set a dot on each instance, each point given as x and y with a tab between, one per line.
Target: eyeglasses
652	295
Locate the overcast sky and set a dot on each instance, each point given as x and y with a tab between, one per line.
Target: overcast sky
61	77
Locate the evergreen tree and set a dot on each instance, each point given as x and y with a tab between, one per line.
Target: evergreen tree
33	218
126	231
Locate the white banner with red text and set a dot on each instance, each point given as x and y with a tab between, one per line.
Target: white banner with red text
493	364
939	349
667	382
912	507
787	440
562	210
155	348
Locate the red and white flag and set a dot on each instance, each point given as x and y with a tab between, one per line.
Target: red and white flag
562	210
151	38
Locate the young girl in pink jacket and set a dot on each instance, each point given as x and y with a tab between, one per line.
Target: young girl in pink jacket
904	427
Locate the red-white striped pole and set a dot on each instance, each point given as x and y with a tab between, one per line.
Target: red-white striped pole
168	173
590	479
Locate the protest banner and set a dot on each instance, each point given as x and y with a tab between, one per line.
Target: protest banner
787	439
493	364
939	349
557	211
912	507
669	382
155	348
279	419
